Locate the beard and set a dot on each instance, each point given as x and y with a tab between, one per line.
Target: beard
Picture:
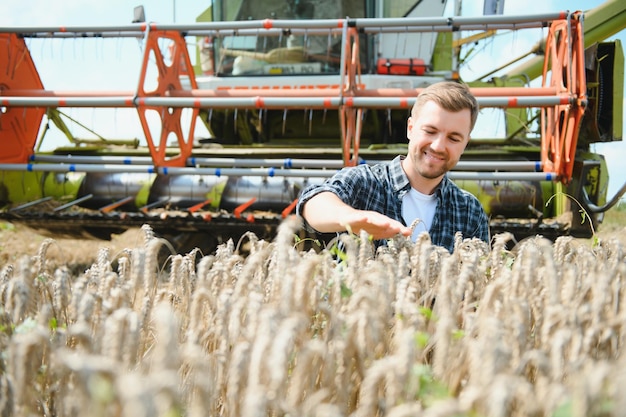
430	164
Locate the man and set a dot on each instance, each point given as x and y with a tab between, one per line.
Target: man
385	199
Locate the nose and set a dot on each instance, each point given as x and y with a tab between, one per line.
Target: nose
438	144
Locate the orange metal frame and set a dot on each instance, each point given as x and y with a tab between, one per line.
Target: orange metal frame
168	82
350	117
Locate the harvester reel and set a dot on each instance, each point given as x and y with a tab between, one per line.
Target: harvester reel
564	70
168	85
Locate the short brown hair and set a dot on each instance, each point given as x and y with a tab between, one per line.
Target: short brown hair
451	96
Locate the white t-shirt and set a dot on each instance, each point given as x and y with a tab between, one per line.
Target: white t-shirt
416	205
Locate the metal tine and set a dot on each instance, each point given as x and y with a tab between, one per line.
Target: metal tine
30	204
284	121
156	204
109	208
73	203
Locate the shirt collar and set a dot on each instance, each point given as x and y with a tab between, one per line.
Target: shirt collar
400	182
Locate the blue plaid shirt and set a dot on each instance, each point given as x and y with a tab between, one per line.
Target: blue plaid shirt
381	187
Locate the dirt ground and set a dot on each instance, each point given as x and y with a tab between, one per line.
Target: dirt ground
17	241
78	254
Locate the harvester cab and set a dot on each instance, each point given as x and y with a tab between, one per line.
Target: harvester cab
289	91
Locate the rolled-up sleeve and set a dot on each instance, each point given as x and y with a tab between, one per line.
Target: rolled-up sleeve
365	187
344	184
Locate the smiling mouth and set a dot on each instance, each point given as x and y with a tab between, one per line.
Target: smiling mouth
434	156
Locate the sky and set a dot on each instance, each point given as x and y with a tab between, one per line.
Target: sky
115	64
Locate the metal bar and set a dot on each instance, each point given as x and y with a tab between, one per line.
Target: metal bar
266	172
94	163
320	31
75	30
510	102
458	21
188	33
217	103
78	168
68	93
68	101
73	203
100	159
30	204
503	176
289	163
259	102
510	21
465	28
279	91
286	163
74	35
498	165
104	168
256	172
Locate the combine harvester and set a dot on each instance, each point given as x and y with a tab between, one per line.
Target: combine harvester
289	91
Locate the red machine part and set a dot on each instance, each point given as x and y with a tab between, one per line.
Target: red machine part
168	83
409	66
563	69
18	125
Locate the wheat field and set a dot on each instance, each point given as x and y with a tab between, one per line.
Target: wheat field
407	330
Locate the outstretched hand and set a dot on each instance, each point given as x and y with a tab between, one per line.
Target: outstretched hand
326	213
375	224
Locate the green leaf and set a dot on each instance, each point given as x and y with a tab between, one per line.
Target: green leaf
339	253
421	339
458	334
345	291
426	312
564	410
